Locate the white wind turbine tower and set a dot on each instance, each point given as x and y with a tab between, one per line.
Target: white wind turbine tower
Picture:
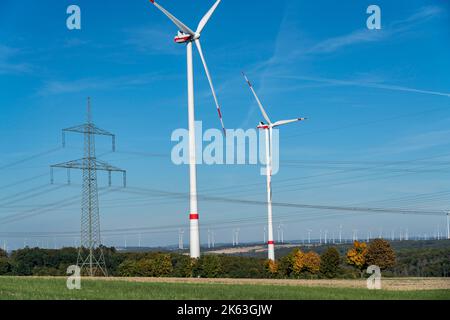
268	127
187	36
235	234
448	226
280	233
180	239
213	238
264	234
209	239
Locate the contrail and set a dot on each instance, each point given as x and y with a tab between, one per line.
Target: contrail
368	85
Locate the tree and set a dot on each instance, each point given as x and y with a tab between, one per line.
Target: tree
209	266
271	267
286	262
183	266
356	256
381	254
23	261
5	266
329	263
163	265
3	253
145	267
128	268
159	265
297	262
311	261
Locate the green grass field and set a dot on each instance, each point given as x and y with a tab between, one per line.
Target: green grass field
54	289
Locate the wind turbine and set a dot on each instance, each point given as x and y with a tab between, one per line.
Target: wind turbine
187	36
448	225
268	127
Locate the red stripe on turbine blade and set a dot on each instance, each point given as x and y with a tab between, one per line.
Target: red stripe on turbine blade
152	1
193	216
270	242
220	113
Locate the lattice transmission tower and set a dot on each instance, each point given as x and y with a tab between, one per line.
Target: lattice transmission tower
90	255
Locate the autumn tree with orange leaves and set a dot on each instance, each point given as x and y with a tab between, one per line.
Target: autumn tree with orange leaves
312	262
357	255
271	267
299	263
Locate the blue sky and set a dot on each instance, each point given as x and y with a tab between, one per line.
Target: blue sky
373	98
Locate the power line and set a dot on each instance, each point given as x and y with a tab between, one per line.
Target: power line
294	205
23	181
32	157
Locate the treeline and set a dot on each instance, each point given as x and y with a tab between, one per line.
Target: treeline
40	262
429	262
330	263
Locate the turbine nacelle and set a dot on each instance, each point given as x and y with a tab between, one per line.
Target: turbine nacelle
182	37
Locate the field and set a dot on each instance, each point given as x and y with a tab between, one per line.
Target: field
44	288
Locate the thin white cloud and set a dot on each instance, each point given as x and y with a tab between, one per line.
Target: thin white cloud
150	40
414	143
358	36
366	84
7	65
365	35
75	42
54	87
423	14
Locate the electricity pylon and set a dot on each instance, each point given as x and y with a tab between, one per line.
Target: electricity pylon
90	254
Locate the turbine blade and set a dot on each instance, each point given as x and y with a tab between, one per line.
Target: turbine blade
177	22
199	47
208	15
257	99
282	122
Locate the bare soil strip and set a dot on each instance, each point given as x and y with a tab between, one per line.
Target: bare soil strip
401	284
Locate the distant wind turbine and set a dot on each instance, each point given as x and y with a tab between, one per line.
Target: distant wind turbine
268	127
